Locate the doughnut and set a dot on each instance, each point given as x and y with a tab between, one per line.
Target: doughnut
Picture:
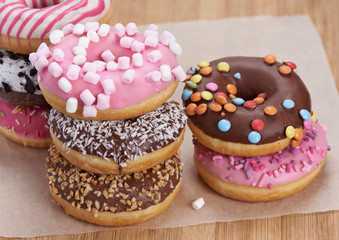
25	124
109	73
19	80
113	200
265	178
24	24
122	146
246	106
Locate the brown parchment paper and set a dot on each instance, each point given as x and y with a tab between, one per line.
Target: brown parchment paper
26	209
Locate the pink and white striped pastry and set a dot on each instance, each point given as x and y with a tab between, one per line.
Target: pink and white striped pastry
108	73
24	24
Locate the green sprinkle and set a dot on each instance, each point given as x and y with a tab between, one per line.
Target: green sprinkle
47	112
3	114
191	84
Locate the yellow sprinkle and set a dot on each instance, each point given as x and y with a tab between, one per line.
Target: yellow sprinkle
313	117
223	67
203	64
232	96
196	78
289	131
207	95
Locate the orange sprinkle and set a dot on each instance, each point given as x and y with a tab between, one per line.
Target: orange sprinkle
191	109
205	71
222	114
295	143
230	107
298	134
221	100
269	110
215	107
188	77
231	89
285	70
201	109
269	59
258	100
195	97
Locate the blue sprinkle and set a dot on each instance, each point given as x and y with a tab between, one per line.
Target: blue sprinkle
314	132
288	104
310	135
292	162
236	163
305	114
306	139
328	148
192	70
242	161
310	162
254	137
224	125
238	101
186	94
246	165
237	75
273	160
248	174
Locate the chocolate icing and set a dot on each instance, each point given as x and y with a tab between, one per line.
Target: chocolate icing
112	193
256	77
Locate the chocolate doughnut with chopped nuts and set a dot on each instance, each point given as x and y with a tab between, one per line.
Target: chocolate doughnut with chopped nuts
122	146
113	200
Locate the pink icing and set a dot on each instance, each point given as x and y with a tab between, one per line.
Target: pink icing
271	170
126	93
29	122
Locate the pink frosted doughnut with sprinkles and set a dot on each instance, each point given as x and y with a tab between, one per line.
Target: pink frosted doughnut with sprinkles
108	73
25	125
24	24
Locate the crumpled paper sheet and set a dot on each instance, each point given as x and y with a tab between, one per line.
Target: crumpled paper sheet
25	205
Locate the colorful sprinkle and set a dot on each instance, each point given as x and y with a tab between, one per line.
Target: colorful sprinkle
313	117
220	94
229	107
223	67
191	84
305	114
232	96
290	64
192	70
202	64
238	101
221	100
285	70
211	87
201	109
290	132
205	71
196	97
3	114
250	105
191	109
288	104
231	89
258	100
224	125
196	78
237	76
270	110
206	95
254	137
215	107
269	59
186	94
257	125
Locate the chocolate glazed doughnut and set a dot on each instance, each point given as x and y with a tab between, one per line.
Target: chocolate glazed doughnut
254	89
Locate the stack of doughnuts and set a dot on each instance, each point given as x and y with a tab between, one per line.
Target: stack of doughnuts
114	158
255	136
24	25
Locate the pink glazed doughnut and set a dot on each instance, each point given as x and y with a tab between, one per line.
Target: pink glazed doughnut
24	24
108	73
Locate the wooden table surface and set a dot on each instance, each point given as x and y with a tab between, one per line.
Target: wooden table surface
325	16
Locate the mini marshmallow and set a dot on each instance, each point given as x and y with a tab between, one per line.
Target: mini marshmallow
67	29
108	86
79	59
73	72
87	97
103	30
179	73
90	111
128	76
154	56
71	105
150	33
126	42
83	42
58	55
92	26
89	67
137	46
100	65
44	52
166	74
154	76
56	36
152	27
93	36
119	29
42	46
92	78
79	50
107	55
131	29
103	101
41	64
111	66
151	42
199	203
33	57
64	85
138	59
55	69
79	29
166	38
123	63
175	48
